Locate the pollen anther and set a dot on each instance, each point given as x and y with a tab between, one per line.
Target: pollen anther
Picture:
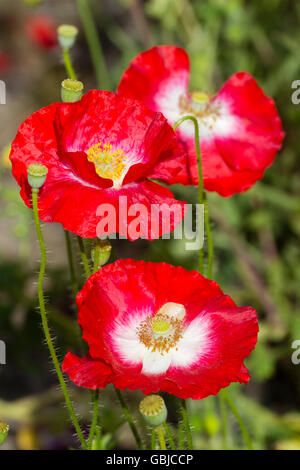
109	163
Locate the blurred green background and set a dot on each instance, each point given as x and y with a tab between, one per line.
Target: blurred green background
256	234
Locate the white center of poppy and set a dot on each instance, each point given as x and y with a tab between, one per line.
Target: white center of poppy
163	331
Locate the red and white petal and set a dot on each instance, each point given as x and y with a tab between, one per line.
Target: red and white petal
158	77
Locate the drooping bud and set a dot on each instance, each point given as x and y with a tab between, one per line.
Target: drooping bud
71	90
104	251
153	410
67	34
36	175
4	428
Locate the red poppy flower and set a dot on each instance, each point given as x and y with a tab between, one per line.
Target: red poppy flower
156	327
42	31
240	129
97	150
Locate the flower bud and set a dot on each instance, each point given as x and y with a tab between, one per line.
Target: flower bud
71	90
36	175
104	247
4	428
6	163
154	410
67	34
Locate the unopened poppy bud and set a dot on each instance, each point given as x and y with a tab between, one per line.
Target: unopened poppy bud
4	428
71	90
154	410
67	34
104	247
6	163
36	175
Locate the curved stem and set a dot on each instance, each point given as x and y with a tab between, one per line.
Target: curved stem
45	321
161	438
129	419
68	64
200	172
95	418
74	283
169	436
186	423
84	258
94	44
239	419
210	245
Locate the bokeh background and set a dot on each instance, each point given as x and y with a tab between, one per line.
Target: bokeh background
256	234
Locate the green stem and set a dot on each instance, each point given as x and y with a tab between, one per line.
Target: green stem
153	439
74	283
68	64
239	419
200	172
95	394
161	438
169	436
181	436
129	419
84	258
224	420
95	417
94	43
96	258
45	321
186	423
210	245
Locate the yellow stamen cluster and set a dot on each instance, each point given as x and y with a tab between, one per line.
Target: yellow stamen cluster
109	163
160	333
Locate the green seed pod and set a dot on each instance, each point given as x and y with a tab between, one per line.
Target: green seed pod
4	428
36	175
153	410
71	90
104	252
67	34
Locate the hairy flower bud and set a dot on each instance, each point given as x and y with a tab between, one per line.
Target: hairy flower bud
71	90
36	175
154	410
67	34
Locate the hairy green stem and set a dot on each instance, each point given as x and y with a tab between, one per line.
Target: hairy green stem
186	422
95	397
161	438
239	419
153	439
68	64
129	419
74	283
45	321
169	436
84	257
94	44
